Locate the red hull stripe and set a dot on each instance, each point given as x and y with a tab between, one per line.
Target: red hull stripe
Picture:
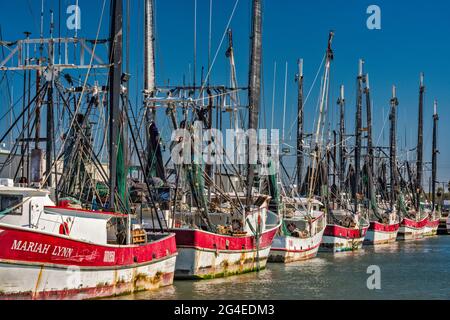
414	224
390	228
205	240
347	233
22	245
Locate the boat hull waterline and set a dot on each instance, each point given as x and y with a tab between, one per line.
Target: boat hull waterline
287	249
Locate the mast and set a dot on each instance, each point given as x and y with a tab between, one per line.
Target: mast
149	56
341	103
155	166
434	156
50	135
420	144
393	146
316	163
254	91
358	128
369	125
115	73
300	126
50	120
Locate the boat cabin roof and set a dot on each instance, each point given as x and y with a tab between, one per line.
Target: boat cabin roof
83	213
25	192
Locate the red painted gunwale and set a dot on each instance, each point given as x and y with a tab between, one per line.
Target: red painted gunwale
414	224
199	239
333	230
433	223
381	227
83	254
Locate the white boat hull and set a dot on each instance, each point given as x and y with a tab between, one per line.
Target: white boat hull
412	230
379	233
195	263
45	282
288	249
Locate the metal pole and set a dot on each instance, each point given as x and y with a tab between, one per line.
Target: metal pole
300	126
358	128
393	146
254	92
420	144
434	157
341	103
115	74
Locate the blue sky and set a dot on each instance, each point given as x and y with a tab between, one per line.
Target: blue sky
413	38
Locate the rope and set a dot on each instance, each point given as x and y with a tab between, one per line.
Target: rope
84	85
219	47
309	93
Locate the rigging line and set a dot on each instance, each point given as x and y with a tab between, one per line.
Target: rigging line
22	114
195	42
16	145
30	8
284	101
215	96
210	35
309	92
273	92
220	46
87	74
14	105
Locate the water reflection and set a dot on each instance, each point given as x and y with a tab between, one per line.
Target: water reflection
410	270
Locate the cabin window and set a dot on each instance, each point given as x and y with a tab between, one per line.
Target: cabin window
8	202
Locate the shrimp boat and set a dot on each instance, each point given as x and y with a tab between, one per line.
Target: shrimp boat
231	250
412	228
433	221
448	224
301	233
345	232
223	226
419	220
51	252
346	225
303	219
434	215
86	244
413	225
384	230
384	221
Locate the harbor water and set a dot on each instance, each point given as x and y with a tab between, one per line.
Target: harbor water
409	270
